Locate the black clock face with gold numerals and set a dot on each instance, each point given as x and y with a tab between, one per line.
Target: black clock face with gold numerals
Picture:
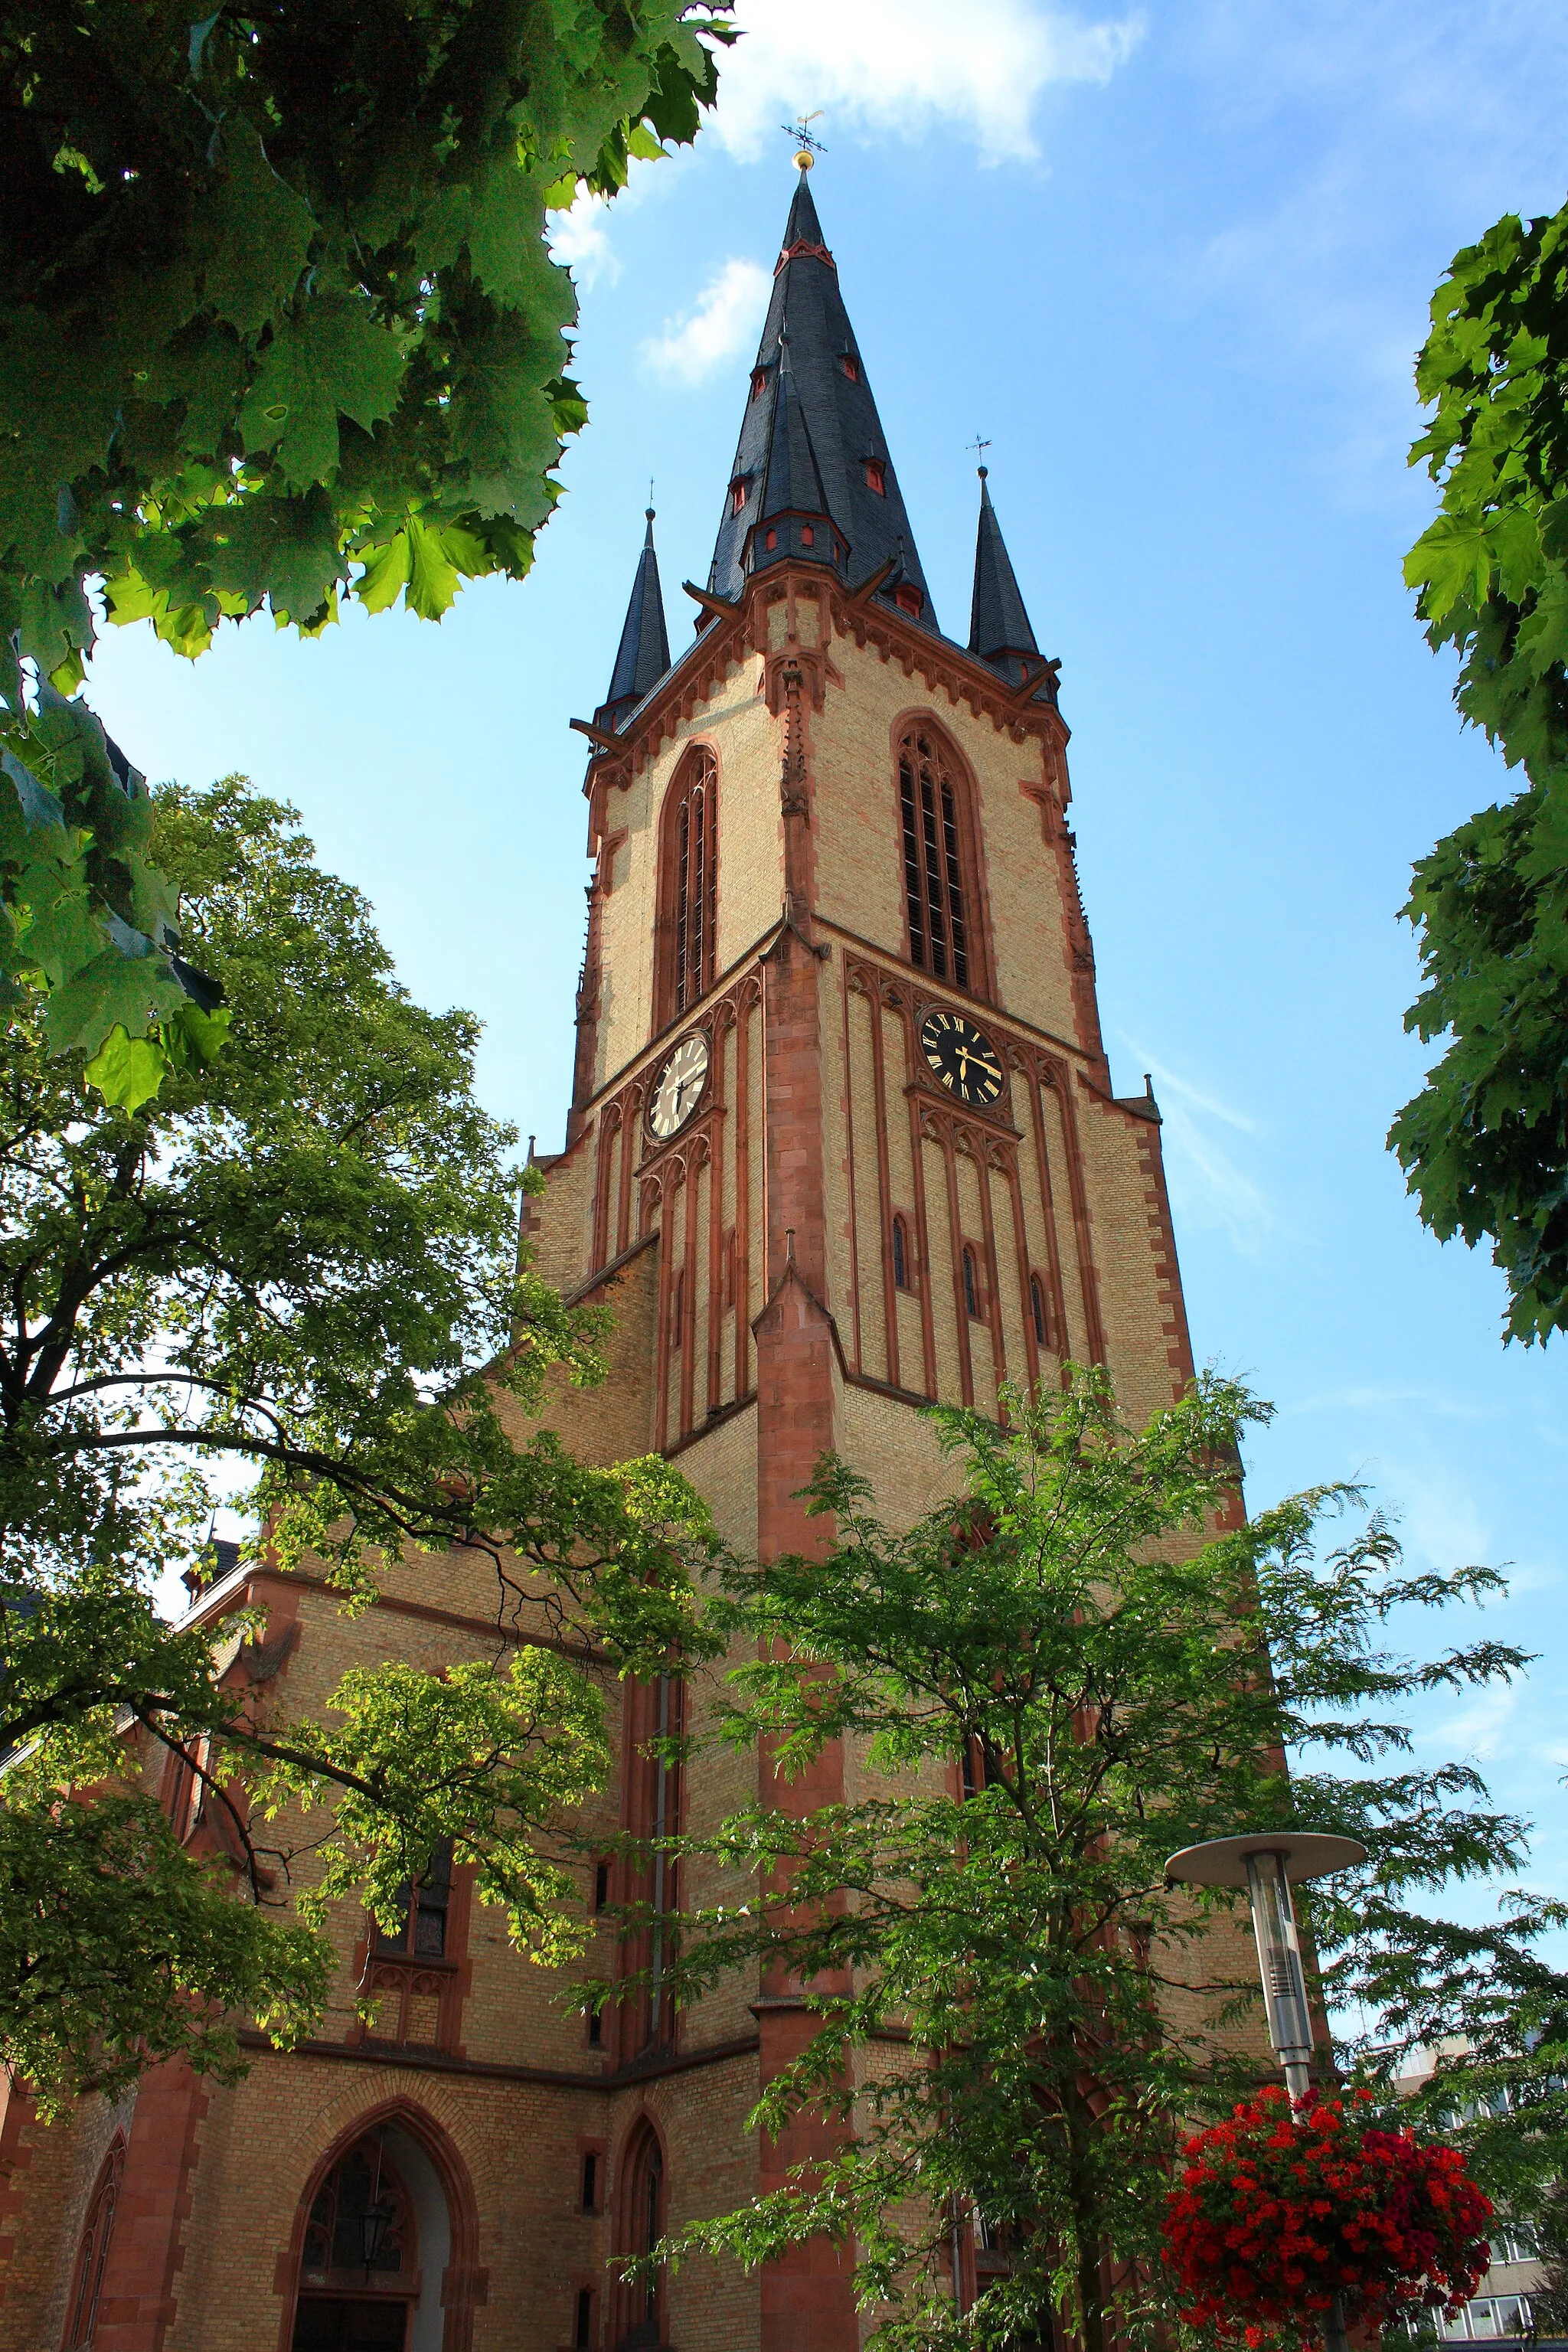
962	1058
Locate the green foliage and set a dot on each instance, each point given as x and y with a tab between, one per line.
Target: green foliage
115	1944
1054	1681
297	1264
1485	1144
272	296
278	322
1548	2301
84	914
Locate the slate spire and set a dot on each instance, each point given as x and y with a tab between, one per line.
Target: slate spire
644	653
998	625
812	448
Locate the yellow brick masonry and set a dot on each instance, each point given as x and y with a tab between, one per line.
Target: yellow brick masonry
522	2092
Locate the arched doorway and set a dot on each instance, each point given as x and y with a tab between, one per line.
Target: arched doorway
376	2244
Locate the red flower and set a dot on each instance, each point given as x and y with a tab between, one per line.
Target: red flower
1327	2204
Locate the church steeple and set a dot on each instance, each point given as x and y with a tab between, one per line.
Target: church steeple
812	443
643	656
998	625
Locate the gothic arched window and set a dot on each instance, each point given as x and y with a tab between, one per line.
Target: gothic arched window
940	895
971	1284
1037	1309
86	2281
642	2208
359	2264
901	1255
689	896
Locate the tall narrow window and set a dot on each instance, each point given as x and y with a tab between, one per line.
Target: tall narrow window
424	1930
937	891
93	2252
639	2324
901	1255
971	1286
585	2334
1037	1309
688	886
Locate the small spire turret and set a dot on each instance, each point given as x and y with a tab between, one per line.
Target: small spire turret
998	624
643	656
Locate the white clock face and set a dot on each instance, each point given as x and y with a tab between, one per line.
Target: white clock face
680	1088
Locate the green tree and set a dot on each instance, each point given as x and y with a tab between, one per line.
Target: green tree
1485	1144
298	1264
1061	1676
279	323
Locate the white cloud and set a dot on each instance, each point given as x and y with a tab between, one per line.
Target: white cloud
725	318
581	238
907	66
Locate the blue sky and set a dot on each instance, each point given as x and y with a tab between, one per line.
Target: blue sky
1172	263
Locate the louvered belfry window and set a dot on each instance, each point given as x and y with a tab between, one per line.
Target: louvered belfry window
934	887
690	886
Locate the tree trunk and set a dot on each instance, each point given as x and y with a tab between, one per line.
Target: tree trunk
1087	2248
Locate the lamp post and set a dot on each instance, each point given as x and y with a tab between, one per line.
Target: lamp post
1267	1865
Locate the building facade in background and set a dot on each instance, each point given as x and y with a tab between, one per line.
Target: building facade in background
843	1140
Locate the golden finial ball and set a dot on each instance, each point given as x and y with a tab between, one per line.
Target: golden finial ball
804	160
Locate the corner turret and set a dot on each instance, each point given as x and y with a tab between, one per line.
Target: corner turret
643	656
999	630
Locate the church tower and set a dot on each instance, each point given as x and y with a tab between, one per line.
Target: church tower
842	1142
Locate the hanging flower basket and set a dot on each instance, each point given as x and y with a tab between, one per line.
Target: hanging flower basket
1275	2213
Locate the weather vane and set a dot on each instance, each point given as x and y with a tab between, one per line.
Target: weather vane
808	147
979	445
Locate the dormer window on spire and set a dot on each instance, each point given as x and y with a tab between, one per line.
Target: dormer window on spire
759	382
877	477
737	493
850	365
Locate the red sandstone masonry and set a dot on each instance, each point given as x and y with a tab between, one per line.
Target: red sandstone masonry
146	2249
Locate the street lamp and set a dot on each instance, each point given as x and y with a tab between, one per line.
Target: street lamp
1267	1865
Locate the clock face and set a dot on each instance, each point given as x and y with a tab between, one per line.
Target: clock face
962	1058
680	1088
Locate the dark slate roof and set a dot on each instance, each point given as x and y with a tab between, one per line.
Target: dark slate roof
997	621
837	423
643	653
792	478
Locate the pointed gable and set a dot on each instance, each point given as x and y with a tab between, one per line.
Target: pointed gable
792	478
643	656
828	412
